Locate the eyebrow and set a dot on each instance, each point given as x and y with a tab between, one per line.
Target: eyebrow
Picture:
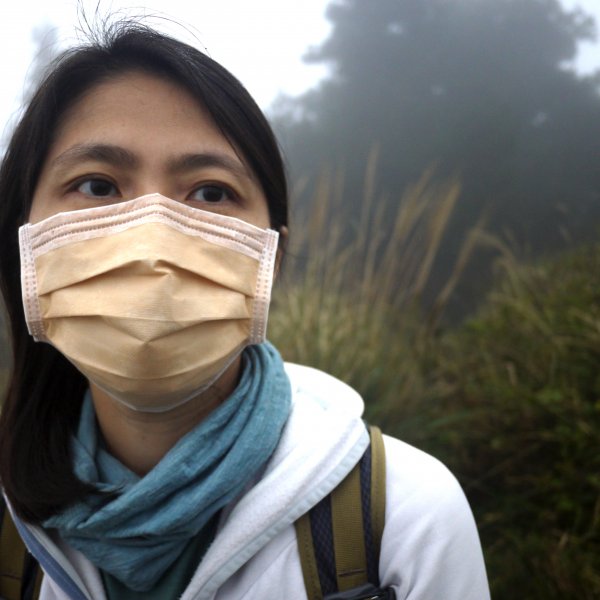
106	153
120	157
192	161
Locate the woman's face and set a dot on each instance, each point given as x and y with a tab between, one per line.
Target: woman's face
138	134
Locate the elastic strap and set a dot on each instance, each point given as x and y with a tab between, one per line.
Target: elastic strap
349	533
308	561
377	488
336	534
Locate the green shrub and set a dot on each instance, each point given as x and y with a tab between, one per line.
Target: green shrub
522	384
510	400
352	310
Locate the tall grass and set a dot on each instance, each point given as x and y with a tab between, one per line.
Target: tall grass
519	425
349	300
510	400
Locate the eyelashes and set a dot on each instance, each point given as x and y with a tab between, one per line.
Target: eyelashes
97	188
102	188
213	193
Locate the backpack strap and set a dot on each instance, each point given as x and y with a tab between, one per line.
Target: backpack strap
308	561
339	539
377	489
20	574
349	533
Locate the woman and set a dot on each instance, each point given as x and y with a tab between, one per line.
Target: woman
156	446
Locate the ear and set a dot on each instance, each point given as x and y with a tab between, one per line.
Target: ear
283	240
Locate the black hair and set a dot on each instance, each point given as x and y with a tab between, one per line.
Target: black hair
43	398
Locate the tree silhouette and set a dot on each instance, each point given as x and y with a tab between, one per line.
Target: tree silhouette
478	88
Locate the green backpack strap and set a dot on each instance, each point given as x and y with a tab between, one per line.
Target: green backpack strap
20	574
344	509
308	560
377	488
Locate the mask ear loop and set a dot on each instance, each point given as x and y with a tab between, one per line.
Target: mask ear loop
29	287
264	284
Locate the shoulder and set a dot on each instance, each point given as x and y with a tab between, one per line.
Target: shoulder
430	547
415	477
323	389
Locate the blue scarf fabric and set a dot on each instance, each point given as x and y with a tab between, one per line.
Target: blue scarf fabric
140	532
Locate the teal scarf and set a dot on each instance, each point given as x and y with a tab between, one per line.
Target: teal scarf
140	532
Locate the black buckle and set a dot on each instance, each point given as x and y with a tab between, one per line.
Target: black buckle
364	592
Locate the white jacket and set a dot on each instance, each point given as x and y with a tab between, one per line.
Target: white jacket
430	548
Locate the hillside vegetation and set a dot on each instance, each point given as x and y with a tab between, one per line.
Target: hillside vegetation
513	407
509	400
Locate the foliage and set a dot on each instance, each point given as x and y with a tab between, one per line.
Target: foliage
516	414
480	89
510	400
340	305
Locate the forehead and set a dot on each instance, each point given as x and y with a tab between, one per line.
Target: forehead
140	111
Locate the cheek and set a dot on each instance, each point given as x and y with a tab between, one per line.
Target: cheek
40	209
259	214
44	203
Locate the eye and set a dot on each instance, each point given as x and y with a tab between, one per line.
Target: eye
98	188
212	193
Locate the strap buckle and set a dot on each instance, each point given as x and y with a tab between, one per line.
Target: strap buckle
363	592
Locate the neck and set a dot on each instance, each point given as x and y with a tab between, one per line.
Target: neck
140	439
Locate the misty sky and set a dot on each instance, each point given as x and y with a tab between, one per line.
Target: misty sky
261	42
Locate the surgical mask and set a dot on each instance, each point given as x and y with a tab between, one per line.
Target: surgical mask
150	299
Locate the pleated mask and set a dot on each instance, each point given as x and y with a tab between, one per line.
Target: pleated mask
149	298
